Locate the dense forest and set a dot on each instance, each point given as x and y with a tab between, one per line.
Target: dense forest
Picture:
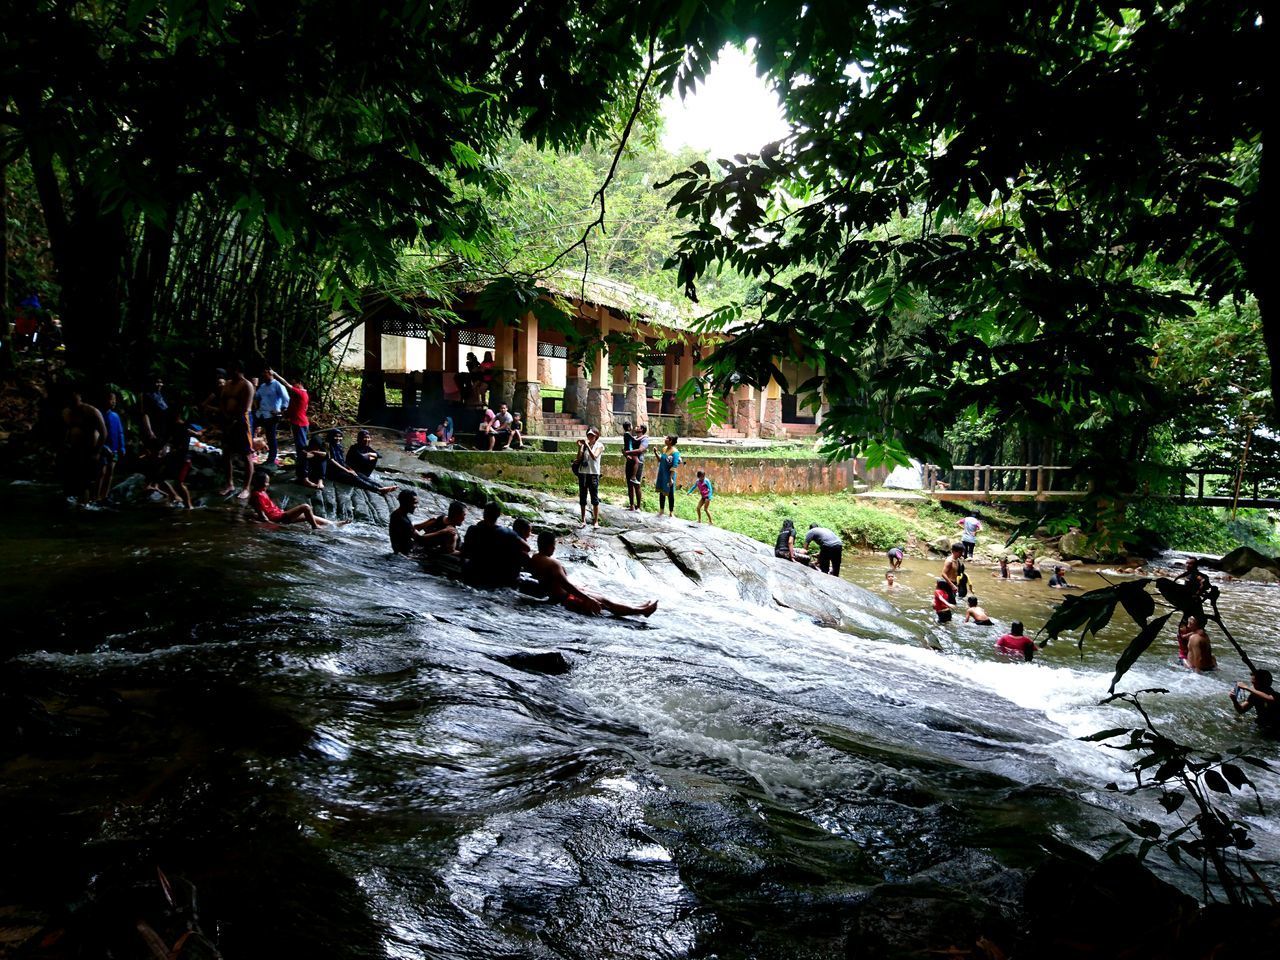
1030	238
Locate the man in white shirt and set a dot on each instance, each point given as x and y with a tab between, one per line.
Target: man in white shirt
969	534
590	450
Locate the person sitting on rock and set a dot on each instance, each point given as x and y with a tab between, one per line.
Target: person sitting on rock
437	535
268	511
339	471
785	547
493	556
550	574
361	457
1059	580
1017	643
976	613
517	431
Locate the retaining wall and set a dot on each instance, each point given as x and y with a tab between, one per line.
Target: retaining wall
728	474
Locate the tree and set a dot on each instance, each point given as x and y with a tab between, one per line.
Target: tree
1008	174
247	162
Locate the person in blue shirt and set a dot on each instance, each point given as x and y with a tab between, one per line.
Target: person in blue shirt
270	402
665	484
113	449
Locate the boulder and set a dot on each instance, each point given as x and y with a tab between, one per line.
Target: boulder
1076	546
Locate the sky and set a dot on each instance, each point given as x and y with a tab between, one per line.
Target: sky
733	111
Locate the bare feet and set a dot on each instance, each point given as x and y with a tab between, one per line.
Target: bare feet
226	491
341	523
311	483
649	608
244	494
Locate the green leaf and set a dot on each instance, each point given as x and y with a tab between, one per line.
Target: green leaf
1235	776
1215	782
1139	604
1137	647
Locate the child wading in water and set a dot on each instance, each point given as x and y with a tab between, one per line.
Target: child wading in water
268	510
705	492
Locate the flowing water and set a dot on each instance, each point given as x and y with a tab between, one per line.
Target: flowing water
331	745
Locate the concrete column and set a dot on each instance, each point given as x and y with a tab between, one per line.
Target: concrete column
598	411
527	396
504	366
637	405
746	412
669	381
771	412
373	393
684	373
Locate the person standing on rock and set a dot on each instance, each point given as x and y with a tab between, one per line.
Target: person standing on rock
590	450
665	483
113	450
969	534
296	414
86	438
550	573
235	406
271	401
830	548
629	464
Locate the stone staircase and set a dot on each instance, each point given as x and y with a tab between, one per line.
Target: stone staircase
726	433
561	426
794	430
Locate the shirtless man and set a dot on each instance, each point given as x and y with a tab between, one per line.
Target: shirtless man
551	575
952	569
1199	652
86	435
234	405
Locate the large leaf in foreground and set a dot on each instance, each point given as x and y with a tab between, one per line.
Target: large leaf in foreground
1137	647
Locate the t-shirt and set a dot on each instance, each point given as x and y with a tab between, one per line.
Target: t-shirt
941	600
643	446
824	537
272	399
1058	580
267	506
299	400
1030	573
1023	645
971	525
591	464
156	409
895	553
503	418
115	432
400	530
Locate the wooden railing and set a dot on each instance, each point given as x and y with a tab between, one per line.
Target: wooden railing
1044	482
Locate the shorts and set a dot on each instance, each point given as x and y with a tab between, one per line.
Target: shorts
239	437
589	484
944	616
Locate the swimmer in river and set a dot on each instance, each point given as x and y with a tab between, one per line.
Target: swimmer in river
1002	573
942	602
1260	696
550	573
1199	653
1059	580
890	581
1017	642
976	613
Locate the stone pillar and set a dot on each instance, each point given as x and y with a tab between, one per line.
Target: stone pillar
598	410
575	389
637	405
619	387
504	366
545	376
669	386
684	373
373	393
527	396
746	413
771	415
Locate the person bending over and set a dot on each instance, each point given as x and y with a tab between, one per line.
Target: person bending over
976	613
267	509
550	573
896	556
830	548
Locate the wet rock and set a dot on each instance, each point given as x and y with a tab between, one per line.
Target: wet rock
941	544
552	662
1075	546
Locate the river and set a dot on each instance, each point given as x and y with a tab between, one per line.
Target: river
330	745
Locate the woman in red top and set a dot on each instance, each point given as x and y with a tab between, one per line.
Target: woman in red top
268	510
942	604
296	415
1016	642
